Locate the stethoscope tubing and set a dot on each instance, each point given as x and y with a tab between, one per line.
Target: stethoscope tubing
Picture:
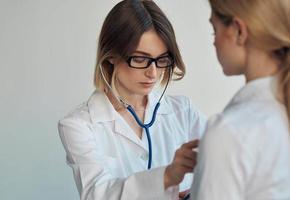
146	127
131	110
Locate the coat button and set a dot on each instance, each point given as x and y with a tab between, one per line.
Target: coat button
145	156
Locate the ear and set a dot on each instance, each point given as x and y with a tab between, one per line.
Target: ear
111	61
241	30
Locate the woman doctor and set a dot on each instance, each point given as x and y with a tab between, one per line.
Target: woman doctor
113	156
245	152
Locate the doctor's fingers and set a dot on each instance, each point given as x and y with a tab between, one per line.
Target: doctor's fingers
188	166
190	154
183	168
190	145
187	163
186	153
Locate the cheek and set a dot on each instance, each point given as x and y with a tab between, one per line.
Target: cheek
120	73
160	72
222	46
123	70
128	75
218	48
218	41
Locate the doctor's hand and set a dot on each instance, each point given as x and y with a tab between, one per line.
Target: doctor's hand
184	162
183	194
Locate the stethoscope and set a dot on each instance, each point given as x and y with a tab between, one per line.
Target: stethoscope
139	122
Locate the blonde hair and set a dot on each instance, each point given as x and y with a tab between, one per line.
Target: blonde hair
120	35
261	17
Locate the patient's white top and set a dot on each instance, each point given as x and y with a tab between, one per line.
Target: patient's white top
245	152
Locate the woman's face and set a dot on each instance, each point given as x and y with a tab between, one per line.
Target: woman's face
229	53
131	81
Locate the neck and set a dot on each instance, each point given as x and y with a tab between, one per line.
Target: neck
260	64
138	102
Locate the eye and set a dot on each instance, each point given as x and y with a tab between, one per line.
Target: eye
164	60
138	59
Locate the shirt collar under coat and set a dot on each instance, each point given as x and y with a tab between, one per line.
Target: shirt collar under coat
101	109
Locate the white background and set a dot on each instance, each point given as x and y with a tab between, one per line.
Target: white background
47	56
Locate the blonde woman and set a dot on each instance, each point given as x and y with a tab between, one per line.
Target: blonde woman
245	152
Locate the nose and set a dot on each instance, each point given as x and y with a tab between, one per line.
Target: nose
151	71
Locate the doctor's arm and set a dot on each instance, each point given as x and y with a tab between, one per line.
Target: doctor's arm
96	175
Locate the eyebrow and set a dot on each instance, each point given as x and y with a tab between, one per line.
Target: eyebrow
148	54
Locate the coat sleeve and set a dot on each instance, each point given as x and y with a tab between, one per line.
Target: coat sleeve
197	122
94	176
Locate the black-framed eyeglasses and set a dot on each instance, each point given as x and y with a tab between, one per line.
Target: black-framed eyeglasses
142	62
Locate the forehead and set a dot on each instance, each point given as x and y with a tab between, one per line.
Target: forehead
151	43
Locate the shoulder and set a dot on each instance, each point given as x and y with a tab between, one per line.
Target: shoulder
177	101
79	116
249	126
184	112
268	116
180	103
96	109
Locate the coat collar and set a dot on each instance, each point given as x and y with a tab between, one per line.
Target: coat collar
101	109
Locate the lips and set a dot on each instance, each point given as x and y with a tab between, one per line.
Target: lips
147	84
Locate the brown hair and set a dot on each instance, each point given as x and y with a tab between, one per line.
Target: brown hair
121	32
261	17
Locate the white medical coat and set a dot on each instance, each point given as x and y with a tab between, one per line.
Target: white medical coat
245	152
108	159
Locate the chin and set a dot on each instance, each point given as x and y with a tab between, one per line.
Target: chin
145	91
230	72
